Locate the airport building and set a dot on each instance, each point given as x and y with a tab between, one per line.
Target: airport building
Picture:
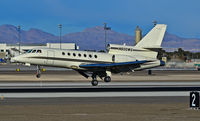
5	49
138	34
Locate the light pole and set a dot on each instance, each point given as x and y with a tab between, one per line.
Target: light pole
106	28
19	37
60	28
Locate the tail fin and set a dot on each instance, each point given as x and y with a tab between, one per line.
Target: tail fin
152	41
154	38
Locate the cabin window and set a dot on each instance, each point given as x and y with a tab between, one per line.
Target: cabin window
29	51
90	55
2	50
85	55
68	54
34	51
74	54
8	52
95	56
39	51
113	58
63	53
79	55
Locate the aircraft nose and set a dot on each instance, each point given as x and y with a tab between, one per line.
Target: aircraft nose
13	59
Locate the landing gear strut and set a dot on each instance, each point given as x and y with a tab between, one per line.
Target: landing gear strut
94	80
38	75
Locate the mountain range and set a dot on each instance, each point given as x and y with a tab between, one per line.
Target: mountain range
90	38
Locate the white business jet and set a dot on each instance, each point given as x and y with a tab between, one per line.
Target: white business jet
119	58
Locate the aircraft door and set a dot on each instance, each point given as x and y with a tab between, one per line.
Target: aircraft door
50	57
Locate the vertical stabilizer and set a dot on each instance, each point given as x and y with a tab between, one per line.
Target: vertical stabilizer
154	38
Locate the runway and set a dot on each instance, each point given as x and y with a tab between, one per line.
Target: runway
84	89
71	84
60	95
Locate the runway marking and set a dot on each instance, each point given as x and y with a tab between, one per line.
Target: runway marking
79	84
115	89
94	94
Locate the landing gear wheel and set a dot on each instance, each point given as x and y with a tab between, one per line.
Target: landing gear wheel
94	82
107	79
149	72
38	75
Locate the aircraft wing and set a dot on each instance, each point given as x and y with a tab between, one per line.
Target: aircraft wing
114	66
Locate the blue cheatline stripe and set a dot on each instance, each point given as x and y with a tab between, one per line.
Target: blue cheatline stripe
162	63
1	60
113	64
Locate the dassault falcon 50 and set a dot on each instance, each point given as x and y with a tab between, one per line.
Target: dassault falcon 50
118	58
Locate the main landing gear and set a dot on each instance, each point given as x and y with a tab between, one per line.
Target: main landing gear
38	74
94	81
107	79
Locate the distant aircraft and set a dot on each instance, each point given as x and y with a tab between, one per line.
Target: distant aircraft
119	58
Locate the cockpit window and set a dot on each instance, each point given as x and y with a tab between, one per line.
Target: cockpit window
33	51
39	51
29	51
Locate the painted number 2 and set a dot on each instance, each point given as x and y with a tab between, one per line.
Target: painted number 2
193	100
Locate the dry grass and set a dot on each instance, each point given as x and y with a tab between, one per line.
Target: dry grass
99	112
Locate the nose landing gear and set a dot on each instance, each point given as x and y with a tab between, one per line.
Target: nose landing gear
38	75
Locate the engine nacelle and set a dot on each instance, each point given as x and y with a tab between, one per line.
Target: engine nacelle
123	58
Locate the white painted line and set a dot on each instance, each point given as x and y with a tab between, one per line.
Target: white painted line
40	84
93	94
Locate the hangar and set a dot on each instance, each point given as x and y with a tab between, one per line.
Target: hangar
6	49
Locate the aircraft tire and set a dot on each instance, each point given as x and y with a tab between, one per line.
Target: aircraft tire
38	75
94	82
107	79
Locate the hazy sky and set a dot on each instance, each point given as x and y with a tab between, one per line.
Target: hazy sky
181	16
